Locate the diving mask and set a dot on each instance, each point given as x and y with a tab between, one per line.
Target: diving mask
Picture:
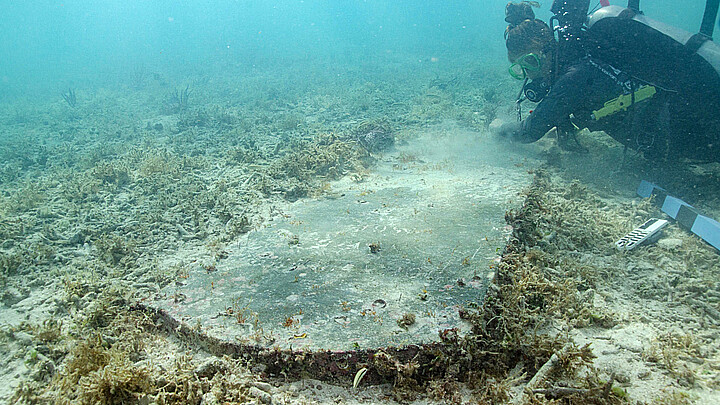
529	62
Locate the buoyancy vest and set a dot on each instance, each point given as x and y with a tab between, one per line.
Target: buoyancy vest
656	53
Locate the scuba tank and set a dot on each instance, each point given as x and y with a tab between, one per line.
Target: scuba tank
655	53
684	68
650	51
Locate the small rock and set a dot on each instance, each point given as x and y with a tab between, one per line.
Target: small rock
670	243
209	399
406	321
209	368
36	282
621	377
44	370
12	296
262	385
77	239
258	369
263	396
24	338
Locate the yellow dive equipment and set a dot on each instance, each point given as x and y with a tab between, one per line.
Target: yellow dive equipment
623	102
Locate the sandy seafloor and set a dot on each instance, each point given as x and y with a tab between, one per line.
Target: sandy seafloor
105	203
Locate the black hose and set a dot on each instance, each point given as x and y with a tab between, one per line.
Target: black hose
634	5
708	22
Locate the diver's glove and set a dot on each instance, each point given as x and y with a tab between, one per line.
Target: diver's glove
504	130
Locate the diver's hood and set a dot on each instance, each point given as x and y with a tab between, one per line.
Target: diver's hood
516	13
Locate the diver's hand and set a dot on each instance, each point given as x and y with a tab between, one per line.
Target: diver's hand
495	127
503	130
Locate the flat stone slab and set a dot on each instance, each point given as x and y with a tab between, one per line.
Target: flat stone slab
383	262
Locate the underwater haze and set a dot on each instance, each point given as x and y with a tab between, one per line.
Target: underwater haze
47	43
199	156
208	201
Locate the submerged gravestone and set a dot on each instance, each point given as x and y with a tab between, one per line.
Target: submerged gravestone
383	262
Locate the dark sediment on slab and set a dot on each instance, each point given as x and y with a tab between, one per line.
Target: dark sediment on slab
386	262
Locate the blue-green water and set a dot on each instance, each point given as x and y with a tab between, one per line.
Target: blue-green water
144	143
49	44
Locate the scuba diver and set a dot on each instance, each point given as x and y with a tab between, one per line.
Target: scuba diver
652	87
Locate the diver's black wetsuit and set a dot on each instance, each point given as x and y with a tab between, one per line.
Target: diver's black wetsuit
666	126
